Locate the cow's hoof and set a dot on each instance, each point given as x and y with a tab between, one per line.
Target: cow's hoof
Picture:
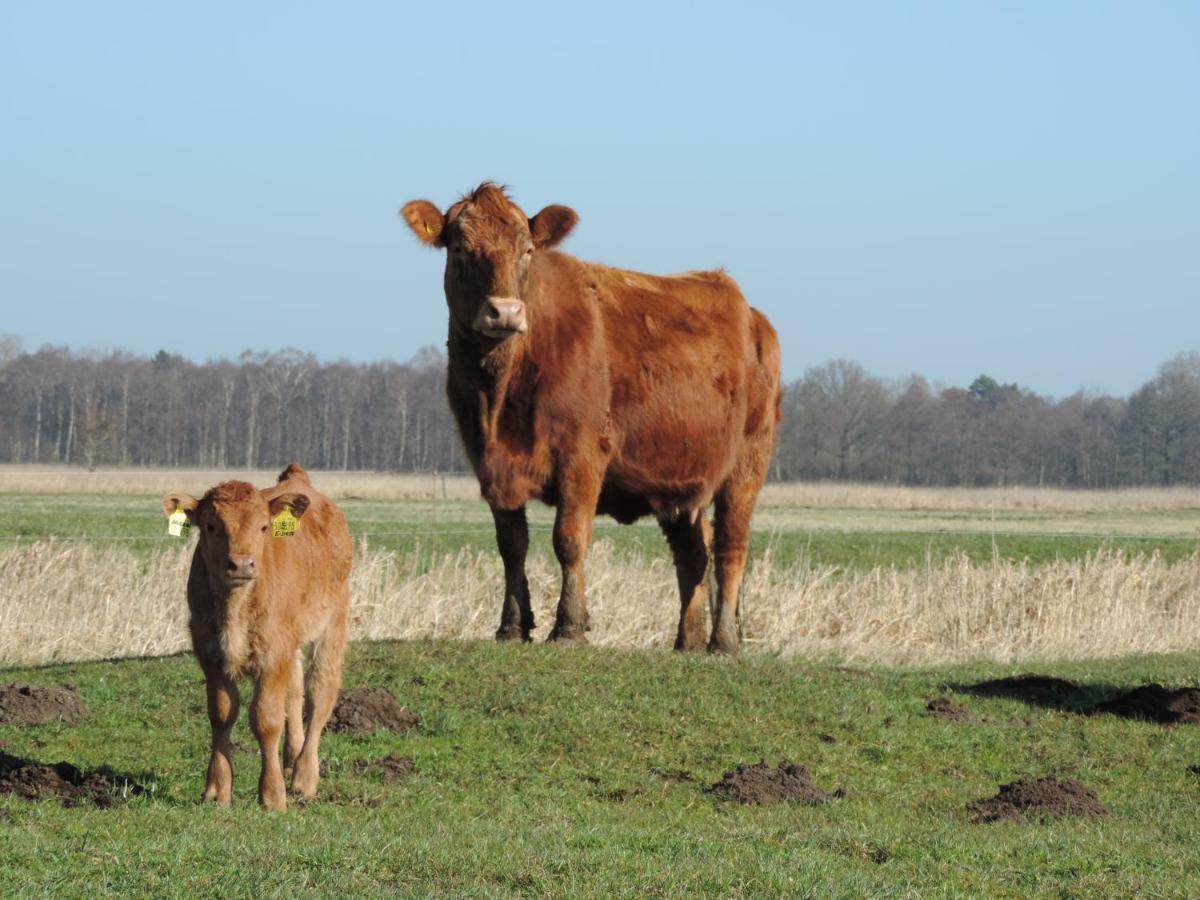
723	647
511	633
568	635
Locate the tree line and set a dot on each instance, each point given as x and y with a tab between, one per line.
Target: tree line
839	421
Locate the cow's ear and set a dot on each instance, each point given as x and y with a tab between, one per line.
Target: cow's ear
175	500
551	225
425	220
297	502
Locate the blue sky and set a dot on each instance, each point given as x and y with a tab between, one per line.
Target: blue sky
942	188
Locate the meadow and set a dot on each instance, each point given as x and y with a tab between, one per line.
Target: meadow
551	771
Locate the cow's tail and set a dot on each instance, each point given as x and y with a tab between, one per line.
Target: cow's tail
293	471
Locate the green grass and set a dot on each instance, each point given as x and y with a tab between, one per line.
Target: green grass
850	539
536	775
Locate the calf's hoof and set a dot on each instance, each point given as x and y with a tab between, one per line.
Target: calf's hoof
272	802
512	633
567	634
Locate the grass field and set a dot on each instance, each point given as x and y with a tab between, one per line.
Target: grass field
550	772
581	772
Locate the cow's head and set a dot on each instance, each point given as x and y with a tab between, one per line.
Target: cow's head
490	245
234	521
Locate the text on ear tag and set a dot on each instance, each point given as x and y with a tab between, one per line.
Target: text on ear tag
284	524
178	524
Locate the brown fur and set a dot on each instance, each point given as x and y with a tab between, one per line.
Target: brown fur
298	596
629	394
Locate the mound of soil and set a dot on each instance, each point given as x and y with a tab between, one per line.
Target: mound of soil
392	766
363	710
1158	704
947	710
1037	799
762	784
63	781
31	704
1040	690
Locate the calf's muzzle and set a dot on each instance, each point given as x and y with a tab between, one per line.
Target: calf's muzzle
240	568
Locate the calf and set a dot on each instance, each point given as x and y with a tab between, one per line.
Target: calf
256	601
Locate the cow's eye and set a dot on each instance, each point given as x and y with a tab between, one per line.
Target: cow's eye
264	529
210	527
528	252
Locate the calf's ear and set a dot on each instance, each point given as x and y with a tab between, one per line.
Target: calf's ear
297	501
551	225
425	220
174	500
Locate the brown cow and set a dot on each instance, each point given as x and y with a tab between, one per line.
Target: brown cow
599	390
256	600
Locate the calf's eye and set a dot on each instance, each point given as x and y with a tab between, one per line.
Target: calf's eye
264	529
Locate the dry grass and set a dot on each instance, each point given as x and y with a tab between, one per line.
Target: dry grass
806	495
63	602
844	495
338	485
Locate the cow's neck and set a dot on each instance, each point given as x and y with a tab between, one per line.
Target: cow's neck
492	372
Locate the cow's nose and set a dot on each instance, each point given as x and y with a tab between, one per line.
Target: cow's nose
240	568
501	316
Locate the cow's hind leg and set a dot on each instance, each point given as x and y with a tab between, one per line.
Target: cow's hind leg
223	704
689	543
324	682
580	489
731	540
512	537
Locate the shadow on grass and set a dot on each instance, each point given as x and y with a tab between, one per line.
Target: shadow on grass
1151	702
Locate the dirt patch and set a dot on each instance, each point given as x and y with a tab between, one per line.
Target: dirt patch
392	766
1037	799
1039	690
31	704
1158	704
363	710
672	776
755	784
946	710
63	781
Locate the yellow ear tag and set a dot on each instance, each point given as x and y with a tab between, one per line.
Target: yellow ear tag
284	524
178	524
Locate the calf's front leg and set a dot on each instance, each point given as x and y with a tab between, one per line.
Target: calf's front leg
266	721
223	705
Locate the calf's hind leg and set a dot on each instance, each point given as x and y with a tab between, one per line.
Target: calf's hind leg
324	682
294	734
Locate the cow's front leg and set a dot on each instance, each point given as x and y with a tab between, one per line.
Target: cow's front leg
266	721
512	537
572	534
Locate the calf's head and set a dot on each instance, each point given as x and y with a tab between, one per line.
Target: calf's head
234	522
490	245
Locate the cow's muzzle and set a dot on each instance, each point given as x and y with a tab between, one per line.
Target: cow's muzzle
501	317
